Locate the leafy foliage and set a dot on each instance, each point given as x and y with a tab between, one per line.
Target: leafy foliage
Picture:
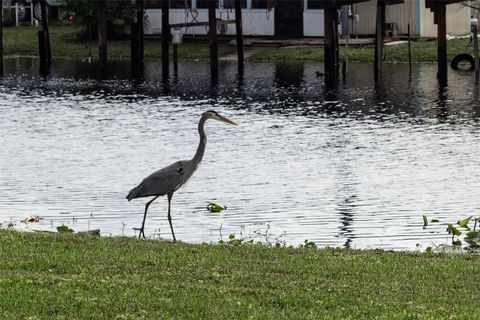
83	14
464	223
425	220
233	241
470	237
308	244
473	239
64	229
454	231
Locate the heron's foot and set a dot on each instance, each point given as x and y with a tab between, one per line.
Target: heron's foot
141	232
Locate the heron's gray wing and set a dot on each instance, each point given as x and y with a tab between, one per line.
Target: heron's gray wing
161	182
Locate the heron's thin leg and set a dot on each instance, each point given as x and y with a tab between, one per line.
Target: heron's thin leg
170	195
142	229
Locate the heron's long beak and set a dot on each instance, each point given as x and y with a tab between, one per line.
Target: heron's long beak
226	120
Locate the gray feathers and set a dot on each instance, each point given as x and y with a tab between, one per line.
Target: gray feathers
161	182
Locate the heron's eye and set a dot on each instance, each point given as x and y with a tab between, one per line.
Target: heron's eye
180	170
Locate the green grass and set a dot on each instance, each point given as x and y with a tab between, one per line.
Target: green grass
65	276
422	51
23	41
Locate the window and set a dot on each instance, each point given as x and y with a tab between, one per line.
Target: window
203	4
259	4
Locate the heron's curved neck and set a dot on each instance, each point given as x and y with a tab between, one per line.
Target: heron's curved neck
203	141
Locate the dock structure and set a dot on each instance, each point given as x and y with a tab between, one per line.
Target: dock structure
380	35
331	60
331	56
212	24
331	41
439	9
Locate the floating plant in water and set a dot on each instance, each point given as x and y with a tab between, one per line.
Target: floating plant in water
470	236
454	232
215	207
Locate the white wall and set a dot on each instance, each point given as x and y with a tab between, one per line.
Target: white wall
313	23
458	20
458	17
254	21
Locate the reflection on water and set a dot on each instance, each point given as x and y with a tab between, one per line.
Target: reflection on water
355	166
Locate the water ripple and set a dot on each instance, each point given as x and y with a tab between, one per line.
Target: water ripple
356	166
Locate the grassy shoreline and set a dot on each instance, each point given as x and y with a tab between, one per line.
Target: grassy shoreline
422	52
23	42
65	276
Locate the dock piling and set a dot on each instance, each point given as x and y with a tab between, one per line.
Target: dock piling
329	42
441	20
165	37
136	36
175	59
102	31
1	41
44	37
379	37
474	30
239	35
212	37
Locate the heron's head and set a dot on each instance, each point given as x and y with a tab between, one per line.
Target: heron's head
215	116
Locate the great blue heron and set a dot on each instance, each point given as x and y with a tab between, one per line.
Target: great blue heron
169	179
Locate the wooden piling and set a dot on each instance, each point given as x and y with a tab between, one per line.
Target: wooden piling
409	48
134	54
137	36
347	38
102	31
1	40
329	45
239	34
379	37
141	21
42	51
474	29
165	36
336	42
440	13
175	59
212	37
44	36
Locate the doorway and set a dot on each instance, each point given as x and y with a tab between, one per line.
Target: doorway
289	18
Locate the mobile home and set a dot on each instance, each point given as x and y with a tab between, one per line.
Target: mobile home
305	18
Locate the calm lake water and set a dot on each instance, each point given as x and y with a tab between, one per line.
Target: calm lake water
357	166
